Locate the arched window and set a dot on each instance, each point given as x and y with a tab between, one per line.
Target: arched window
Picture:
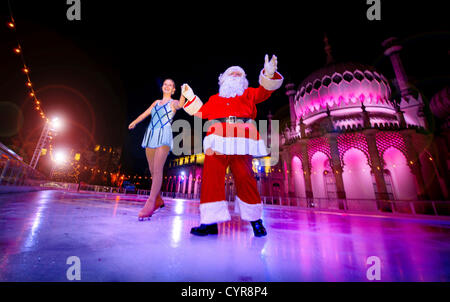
330	184
403	183
298	180
388	181
319	182
356	175
276	192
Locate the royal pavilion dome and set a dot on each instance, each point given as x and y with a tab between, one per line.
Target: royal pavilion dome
342	88
440	107
440	104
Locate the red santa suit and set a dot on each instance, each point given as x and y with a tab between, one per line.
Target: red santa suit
232	144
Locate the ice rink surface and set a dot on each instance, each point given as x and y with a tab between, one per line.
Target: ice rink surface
40	230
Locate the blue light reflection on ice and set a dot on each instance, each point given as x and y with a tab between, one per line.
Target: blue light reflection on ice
37	219
177	225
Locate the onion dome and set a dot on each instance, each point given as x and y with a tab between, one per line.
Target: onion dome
440	103
342	87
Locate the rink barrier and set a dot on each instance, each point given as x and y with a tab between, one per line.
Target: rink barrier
427	208
395	207
14	171
16	177
180	195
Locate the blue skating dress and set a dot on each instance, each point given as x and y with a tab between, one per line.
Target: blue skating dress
159	131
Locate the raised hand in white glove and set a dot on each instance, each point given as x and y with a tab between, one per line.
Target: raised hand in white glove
194	103
187	92
270	67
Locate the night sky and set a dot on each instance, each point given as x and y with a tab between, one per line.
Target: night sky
101	72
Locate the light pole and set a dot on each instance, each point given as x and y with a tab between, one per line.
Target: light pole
257	167
59	160
49	128
182	183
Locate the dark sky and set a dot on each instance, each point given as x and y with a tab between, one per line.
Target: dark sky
103	71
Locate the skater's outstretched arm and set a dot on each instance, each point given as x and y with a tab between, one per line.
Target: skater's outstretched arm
178	104
142	117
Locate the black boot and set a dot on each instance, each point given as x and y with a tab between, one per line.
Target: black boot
205	229
258	228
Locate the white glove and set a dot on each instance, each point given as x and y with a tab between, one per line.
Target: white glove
270	67
193	105
187	92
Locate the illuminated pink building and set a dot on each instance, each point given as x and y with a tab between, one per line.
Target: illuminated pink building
348	139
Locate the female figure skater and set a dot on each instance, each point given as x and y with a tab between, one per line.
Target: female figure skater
158	140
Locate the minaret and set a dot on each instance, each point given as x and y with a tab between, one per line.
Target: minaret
400	117
330	59
302	128
290	92
393	52
411	103
365	117
269	127
329	121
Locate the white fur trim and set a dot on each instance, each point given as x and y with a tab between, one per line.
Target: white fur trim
212	212
270	84
194	107
222	76
235	145
236	207
249	212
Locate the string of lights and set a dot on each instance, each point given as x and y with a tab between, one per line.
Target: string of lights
18	50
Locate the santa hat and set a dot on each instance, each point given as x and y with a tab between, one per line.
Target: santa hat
229	71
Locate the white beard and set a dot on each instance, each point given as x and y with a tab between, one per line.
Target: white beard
233	86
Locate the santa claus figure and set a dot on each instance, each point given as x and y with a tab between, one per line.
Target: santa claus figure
232	140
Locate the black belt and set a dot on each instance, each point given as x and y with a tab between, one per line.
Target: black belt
233	119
